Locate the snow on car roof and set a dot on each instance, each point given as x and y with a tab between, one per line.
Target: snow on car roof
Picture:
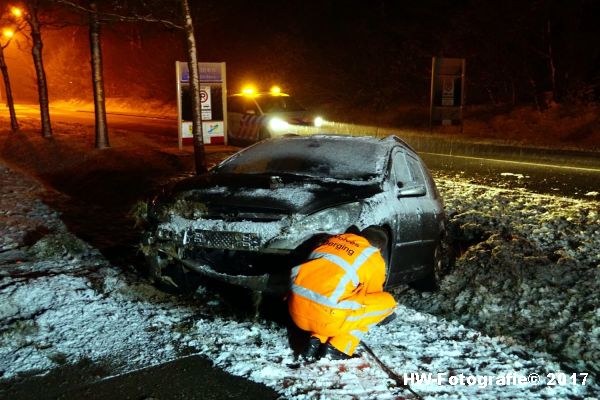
321	156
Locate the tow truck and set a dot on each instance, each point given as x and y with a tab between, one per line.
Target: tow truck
257	115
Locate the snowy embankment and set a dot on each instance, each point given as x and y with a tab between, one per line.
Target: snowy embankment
529	269
61	303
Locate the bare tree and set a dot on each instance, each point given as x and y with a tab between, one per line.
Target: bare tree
160	7
150	10
31	16
167	7
199	155
98	78
14	123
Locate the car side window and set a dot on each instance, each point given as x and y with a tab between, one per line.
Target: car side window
399	168
416	173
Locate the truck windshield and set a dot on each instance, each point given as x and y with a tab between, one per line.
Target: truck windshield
274	104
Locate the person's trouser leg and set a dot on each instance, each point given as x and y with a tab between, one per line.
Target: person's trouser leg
377	306
321	338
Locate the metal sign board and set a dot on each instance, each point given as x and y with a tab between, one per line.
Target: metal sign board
212	129
213	103
447	90
206	105
209	72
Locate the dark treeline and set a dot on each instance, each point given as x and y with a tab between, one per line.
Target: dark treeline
375	54
379	52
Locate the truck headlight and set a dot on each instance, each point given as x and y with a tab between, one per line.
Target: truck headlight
318	121
277	124
328	220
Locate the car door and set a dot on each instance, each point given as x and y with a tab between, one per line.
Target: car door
234	115
432	209
407	255
244	120
251	121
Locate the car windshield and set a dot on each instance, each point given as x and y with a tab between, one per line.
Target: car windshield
348	159
274	104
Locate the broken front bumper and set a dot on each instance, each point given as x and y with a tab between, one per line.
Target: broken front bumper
157	261
263	283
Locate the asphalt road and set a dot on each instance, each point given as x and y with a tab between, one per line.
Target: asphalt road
153	125
553	179
191	377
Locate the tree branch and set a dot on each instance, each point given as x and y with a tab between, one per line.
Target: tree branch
105	16
7	43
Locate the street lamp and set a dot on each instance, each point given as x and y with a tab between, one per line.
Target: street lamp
8	33
16	12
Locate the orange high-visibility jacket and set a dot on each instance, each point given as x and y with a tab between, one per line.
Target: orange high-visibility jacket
334	283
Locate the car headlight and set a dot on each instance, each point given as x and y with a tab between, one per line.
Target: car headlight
328	220
277	124
318	121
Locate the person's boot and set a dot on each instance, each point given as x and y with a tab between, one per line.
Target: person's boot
311	351
333	354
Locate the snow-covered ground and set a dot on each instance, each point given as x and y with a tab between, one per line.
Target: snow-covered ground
61	302
530	269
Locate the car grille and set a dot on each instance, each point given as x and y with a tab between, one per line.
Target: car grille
256	215
222	240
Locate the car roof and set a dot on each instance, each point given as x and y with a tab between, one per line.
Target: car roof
387	141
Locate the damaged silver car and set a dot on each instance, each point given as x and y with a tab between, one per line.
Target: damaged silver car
260	212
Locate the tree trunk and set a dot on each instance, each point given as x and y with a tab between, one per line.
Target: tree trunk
98	79
14	124
36	51
555	94
199	156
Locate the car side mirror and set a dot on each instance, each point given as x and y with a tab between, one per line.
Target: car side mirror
412	191
250	112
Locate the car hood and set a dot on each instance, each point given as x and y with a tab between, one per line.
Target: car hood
232	195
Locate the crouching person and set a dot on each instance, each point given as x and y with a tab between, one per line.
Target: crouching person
337	295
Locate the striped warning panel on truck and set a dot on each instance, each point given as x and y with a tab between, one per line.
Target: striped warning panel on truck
250	127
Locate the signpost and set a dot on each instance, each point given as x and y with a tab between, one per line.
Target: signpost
206	104
447	91
213	97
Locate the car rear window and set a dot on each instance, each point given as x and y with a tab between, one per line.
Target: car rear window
349	159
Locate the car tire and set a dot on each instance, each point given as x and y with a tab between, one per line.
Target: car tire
440	268
176	279
381	237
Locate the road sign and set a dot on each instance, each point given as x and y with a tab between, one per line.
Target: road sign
213	102
447	90
212	132
209	72
206	105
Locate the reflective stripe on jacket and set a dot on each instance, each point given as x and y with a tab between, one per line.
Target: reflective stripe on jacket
338	275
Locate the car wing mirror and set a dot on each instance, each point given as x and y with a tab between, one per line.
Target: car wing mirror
411	191
250	112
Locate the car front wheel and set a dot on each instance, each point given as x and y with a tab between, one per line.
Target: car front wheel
442	262
379	238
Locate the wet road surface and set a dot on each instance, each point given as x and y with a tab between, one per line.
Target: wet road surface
557	179
191	377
